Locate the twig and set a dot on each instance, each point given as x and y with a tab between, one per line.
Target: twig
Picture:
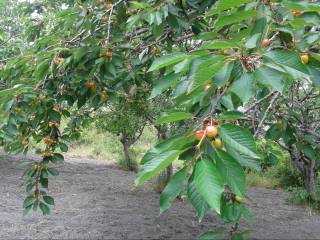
217	100
282	145
274	99
76	37
109	27
310	132
182	38
259	101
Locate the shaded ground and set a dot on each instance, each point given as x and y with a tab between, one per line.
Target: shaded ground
95	201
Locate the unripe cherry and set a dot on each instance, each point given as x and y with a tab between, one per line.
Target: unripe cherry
304	58
217	143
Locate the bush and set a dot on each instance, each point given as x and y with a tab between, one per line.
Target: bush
270	153
299	196
277	169
286	174
260	179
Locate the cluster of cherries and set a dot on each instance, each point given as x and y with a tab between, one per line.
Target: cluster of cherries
209	130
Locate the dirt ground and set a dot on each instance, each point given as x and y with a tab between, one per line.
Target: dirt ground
96	201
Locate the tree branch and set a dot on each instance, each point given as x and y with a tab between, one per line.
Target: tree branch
274	99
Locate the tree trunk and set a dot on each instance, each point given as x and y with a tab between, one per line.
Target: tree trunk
129	163
306	167
310	179
127	156
165	175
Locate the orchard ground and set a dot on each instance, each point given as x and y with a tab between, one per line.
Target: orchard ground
96	200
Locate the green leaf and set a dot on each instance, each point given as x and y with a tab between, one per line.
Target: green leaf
220	44
289	60
163	84
28	201
270	78
172	143
35	205
239	139
44	208
244	160
209	183
309	152
53	171
42	70
63	147
44	173
301	5
155	166
140	5
57	157
244	87
231	212
234	18
172	190
203	69
260	24
196	200
167	60
231	115
247	214
222	5
315	75
49	200
223	76
227	102
232	171
275	132
241	236
173	117
213	235
253	41
26	210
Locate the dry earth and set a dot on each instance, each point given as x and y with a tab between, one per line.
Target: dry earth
96	201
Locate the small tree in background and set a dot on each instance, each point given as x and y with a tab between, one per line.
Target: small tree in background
294	125
126	121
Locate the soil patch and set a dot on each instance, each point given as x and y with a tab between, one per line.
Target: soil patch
97	201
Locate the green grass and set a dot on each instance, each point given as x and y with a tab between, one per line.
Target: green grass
260	179
106	146
299	196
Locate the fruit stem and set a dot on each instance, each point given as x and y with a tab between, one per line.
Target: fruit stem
199	144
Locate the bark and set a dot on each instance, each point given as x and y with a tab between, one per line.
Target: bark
307	168
126	143
311	178
165	175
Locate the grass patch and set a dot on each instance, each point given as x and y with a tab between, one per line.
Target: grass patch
260	179
105	146
299	196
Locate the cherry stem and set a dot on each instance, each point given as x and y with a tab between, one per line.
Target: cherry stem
203	137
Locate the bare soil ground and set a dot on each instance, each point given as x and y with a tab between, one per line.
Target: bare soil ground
96	201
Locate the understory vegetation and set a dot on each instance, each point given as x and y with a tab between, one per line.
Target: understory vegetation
230	89
106	146
281	174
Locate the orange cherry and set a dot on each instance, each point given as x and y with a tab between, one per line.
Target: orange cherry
212	131
206	87
266	42
199	134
